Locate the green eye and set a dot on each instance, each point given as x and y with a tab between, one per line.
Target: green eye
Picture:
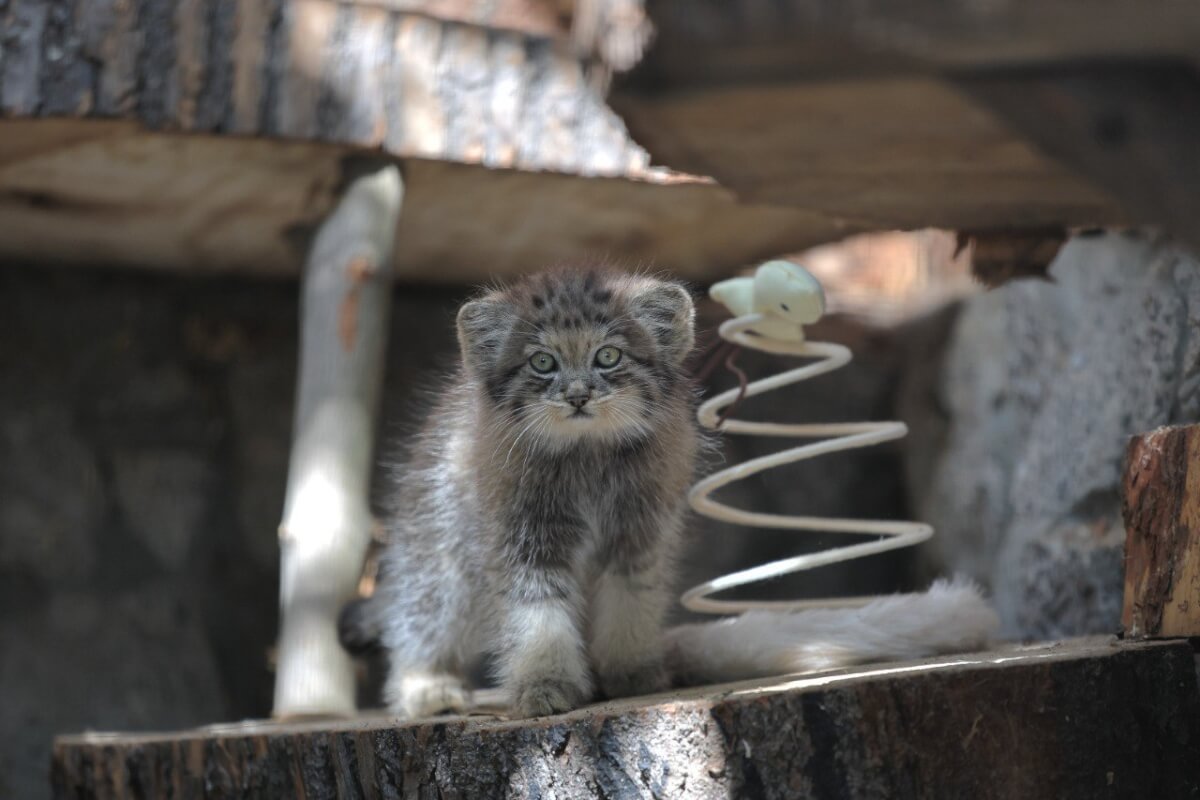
542	362
608	356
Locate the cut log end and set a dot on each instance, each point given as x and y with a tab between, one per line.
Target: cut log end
1161	508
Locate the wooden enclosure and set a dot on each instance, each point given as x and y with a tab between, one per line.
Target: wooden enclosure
223	137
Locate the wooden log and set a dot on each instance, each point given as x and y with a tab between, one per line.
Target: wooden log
367	74
1161	507
274	94
1082	719
346	297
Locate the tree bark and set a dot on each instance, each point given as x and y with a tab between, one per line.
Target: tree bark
348	73
1161	507
346	296
1081	719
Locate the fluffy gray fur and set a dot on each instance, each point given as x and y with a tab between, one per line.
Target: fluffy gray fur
539	516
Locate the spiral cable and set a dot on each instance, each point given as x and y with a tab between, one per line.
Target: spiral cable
833	438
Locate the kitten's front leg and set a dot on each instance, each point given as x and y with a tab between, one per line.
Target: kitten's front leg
627	632
630	605
543	666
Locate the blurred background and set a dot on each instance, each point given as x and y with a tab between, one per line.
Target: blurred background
1001	296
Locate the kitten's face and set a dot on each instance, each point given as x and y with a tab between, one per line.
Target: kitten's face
572	356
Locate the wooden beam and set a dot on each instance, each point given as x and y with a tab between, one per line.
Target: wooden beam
716	42
1130	128
110	194
904	152
1161	507
1019	722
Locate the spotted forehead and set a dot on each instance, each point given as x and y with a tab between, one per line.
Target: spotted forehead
571	301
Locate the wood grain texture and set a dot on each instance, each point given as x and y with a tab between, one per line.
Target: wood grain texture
382	75
1008	724
1131	128
710	42
204	204
899	152
1161	507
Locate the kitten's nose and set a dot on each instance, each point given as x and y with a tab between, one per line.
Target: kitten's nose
578	394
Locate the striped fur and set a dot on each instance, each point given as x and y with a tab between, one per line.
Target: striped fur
532	530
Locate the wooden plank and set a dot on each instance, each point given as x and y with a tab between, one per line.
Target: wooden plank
883	153
1161	507
219	204
711	42
1019	722
1131	128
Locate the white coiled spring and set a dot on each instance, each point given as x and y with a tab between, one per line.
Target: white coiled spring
833	438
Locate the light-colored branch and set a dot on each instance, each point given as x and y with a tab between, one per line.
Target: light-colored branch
345	302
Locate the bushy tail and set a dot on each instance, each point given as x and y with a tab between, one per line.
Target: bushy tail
950	617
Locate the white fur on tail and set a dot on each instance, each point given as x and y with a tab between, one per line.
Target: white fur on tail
950	617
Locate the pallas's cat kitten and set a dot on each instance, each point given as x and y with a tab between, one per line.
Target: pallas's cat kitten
538	519
539	516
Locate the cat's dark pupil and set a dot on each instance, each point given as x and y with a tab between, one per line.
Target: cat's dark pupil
784	306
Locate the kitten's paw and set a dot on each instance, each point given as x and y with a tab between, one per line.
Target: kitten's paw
628	682
424	694
543	696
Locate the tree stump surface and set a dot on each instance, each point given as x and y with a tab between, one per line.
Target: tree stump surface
1161	507
1085	718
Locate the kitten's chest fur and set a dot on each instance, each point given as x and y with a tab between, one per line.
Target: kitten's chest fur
585	485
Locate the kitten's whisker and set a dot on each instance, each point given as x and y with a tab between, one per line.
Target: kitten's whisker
524	430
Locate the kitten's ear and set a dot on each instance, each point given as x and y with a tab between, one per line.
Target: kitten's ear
666	309
483	327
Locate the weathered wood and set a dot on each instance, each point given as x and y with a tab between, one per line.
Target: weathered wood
275	94
344	306
959	114
1082	719
710	42
1161	506
110	194
1131	128
883	153
357	74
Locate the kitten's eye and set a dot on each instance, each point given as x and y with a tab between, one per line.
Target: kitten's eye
608	356
543	363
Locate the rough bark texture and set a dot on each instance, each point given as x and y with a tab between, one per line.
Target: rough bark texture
1011	724
1161	506
349	73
